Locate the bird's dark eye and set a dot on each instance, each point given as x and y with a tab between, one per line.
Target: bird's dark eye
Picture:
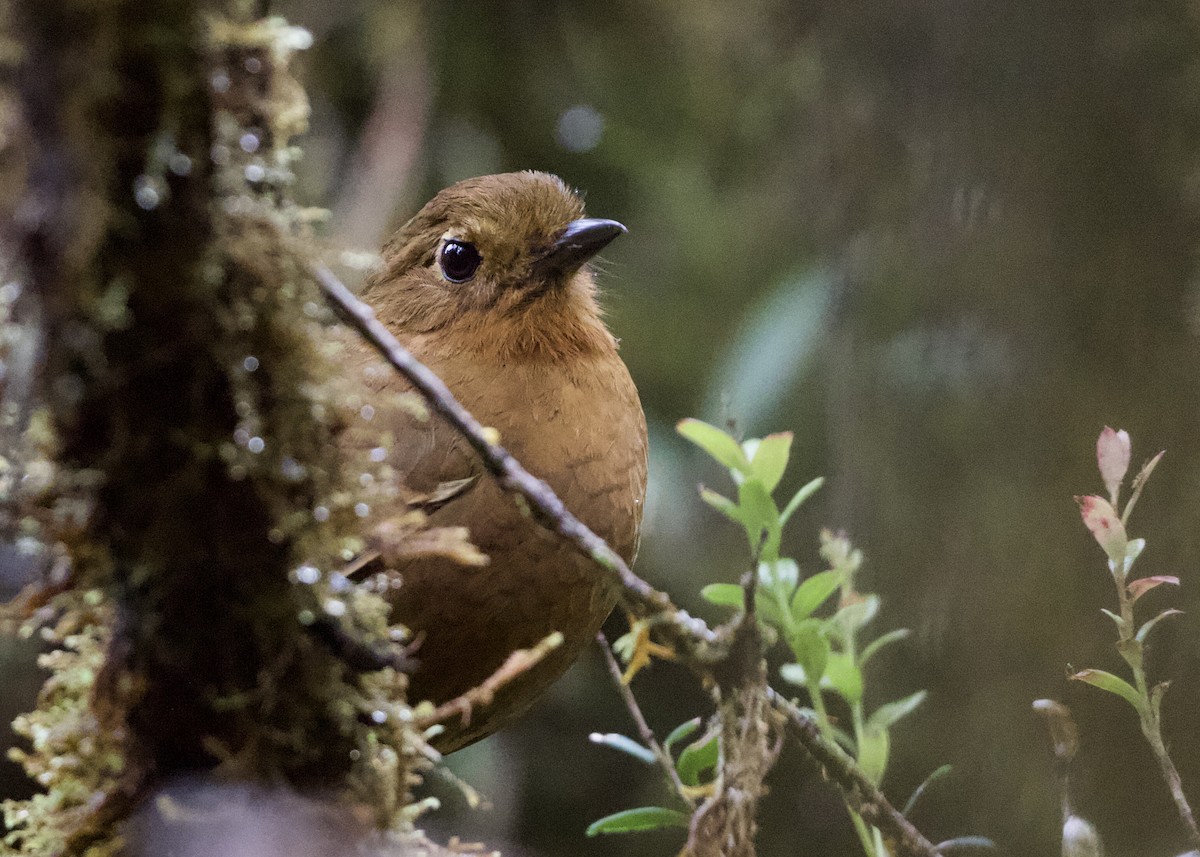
459	260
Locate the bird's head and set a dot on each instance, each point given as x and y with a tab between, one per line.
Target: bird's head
497	261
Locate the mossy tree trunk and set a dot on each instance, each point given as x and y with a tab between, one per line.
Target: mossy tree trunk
190	411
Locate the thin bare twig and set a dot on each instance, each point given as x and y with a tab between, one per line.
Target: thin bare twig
699	646
517	663
644	730
860	792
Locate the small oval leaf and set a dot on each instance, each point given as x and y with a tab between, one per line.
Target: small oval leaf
810	648
770	459
813	592
873	750
716	443
641	818
844	677
724	595
696	758
1138	588
1105	525
890	713
1111	683
721	503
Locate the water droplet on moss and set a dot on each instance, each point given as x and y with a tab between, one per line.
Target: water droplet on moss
334	607
292	469
252	65
256	444
362	510
367	412
379	716
180	164
147	192
378	454
307	574
321	514
255	173
219	81
250	363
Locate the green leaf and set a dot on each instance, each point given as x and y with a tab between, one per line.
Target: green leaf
890	713
732	595
810	648
716	443
758	514
882	642
770	458
722	504
1144	631
1117	620
812	593
625	744
681	732
843	676
921	789
1111	683
641	818
873	747
696	758
806	491
724	595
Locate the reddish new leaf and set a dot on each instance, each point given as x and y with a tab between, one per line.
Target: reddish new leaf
1105	524
1138	588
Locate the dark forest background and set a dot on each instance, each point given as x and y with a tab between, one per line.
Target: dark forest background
944	243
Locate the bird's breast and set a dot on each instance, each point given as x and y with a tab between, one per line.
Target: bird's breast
580	429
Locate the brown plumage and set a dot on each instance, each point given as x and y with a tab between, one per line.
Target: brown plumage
488	285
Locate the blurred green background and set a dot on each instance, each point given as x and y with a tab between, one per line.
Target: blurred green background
944	243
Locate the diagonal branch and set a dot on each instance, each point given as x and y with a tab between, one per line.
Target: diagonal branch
699	646
863	795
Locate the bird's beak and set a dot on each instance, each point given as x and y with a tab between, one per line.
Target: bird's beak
580	241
